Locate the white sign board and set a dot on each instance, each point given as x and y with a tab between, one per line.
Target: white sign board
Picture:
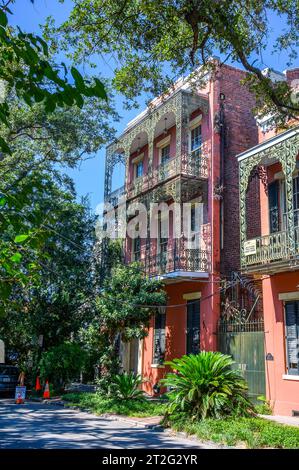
250	247
20	393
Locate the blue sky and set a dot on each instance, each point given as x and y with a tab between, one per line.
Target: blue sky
89	179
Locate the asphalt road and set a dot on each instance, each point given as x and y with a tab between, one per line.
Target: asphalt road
39	426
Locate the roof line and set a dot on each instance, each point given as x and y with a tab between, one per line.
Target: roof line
268	143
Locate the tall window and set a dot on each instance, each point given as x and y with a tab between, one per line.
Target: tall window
139	169
193	218
196	141
292	336
283	203
159	337
193	327
163	240
165	154
136	248
273	189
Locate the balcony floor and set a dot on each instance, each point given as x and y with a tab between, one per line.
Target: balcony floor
273	267
178	276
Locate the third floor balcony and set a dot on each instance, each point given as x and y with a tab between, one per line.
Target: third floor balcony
170	140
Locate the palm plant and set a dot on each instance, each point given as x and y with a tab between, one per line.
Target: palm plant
205	385
126	386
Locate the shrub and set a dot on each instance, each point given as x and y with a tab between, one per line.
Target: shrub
205	385
103	405
126	386
263	407
237	431
62	363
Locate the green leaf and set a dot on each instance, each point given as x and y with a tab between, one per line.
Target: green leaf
100	89
79	81
2	201
21	238
16	258
5	290
43	44
4	147
3	19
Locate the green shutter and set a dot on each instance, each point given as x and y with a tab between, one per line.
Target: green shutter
193	327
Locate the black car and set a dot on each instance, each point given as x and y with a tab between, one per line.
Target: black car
8	378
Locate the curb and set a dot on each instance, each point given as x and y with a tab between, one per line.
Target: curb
135	422
112	417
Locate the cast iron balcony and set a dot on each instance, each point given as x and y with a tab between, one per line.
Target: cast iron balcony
175	261
191	165
270	250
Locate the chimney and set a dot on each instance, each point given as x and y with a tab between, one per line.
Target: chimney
292	74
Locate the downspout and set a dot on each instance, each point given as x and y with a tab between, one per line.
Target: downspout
222	152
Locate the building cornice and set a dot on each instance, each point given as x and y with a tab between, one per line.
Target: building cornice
268	143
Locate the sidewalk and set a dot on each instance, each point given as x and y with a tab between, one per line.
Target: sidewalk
289	420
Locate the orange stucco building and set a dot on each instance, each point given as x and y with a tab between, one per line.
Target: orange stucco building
181	153
271	254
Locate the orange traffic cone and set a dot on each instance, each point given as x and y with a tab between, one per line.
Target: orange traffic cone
47	390
37	384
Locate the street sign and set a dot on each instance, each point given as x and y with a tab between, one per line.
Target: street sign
20	394
250	247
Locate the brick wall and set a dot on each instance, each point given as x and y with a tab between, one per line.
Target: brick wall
292	74
240	134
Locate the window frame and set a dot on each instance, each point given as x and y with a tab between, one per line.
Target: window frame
134	251
161	152
135	162
137	165
192	302
193	151
162	337
291	371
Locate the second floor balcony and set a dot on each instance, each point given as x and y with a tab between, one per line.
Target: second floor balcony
174	259
272	251
271	207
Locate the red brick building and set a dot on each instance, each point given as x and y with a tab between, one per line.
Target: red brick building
182	150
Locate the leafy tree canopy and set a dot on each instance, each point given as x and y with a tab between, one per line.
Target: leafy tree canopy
56	298
26	69
143	36
128	301
123	310
33	190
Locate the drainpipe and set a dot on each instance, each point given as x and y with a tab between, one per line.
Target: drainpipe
222	151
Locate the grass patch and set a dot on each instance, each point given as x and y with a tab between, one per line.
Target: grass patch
99	405
251	432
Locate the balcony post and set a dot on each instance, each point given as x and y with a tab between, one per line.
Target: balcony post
127	165
243	181
288	161
182	119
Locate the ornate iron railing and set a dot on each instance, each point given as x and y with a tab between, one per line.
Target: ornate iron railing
172	260
268	248
196	166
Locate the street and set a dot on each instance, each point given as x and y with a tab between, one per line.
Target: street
40	426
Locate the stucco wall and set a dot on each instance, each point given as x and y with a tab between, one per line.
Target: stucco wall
283	394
